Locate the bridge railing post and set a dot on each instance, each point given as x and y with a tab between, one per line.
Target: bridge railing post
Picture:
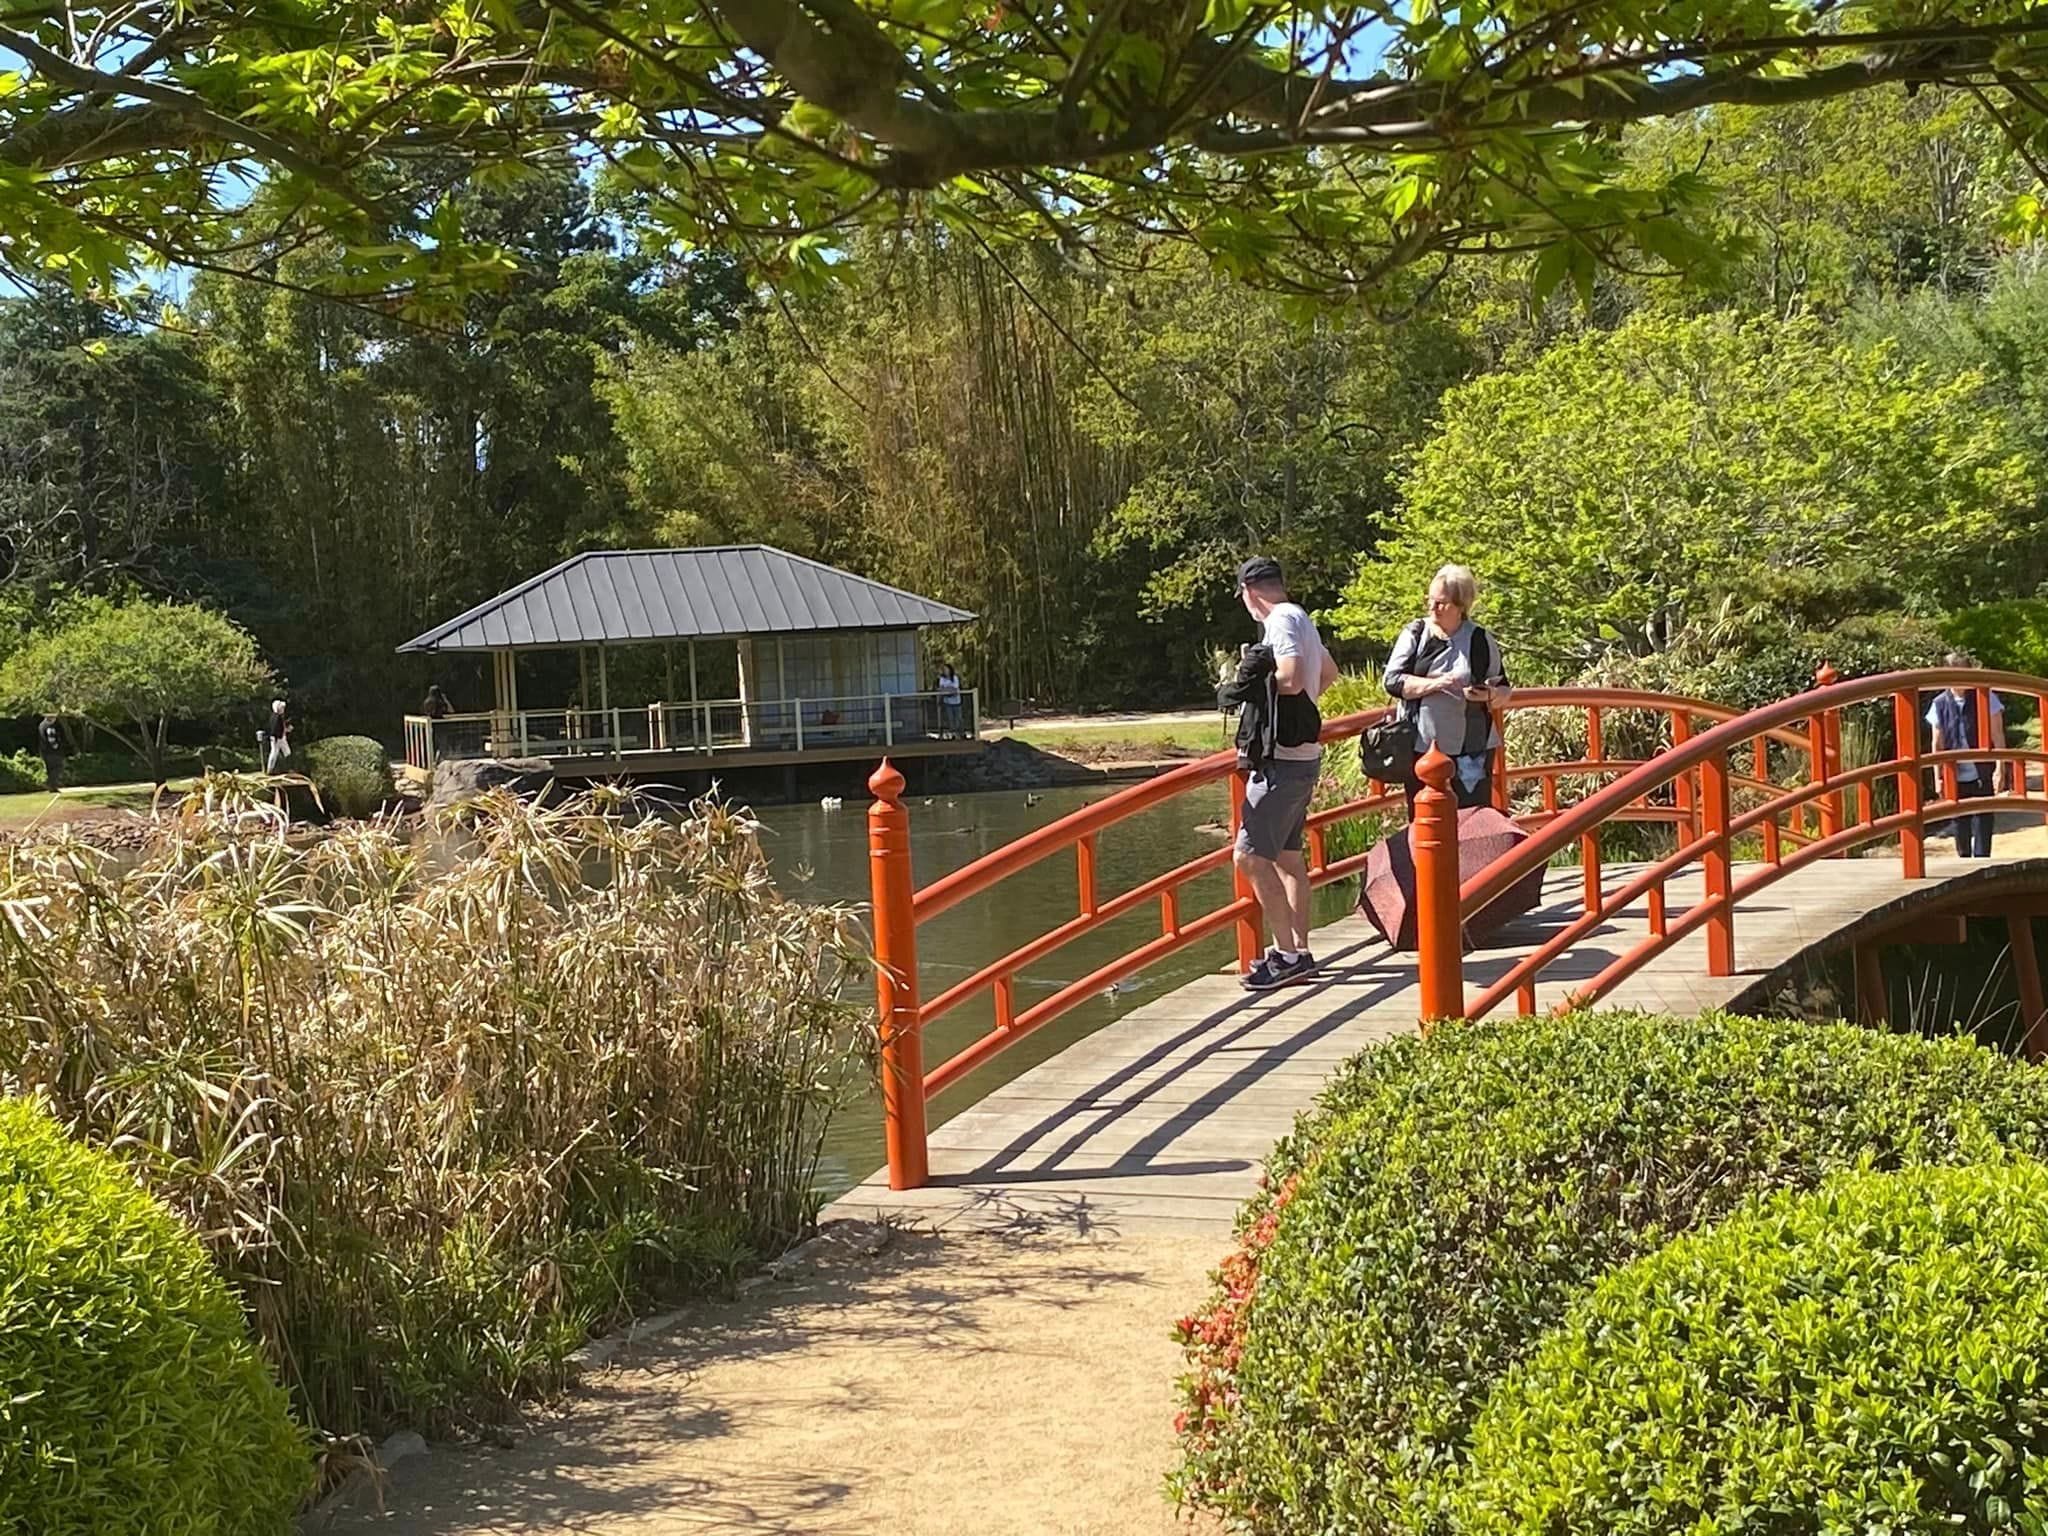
1250	935
896	991
1439	935
1906	748
1681	787
2040	714
1825	737
1500	762
1589	841
1715	864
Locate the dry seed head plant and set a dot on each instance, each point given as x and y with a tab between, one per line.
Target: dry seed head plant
440	1107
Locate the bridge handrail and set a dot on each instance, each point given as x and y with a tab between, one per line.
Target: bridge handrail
972	879
1820	705
900	908
1666	766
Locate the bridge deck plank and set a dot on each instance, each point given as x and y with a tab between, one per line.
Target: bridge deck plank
1164	1117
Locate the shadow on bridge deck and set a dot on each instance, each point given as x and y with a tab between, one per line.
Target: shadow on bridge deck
1165	1117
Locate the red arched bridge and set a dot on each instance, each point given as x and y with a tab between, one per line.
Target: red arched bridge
1782	846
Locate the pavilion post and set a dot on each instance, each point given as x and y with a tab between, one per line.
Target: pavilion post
743	650
782	685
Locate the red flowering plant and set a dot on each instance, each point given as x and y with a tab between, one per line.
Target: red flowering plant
1213	1338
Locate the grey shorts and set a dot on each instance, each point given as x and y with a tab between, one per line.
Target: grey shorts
1276	807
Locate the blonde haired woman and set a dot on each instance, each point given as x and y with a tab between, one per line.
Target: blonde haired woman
1448	676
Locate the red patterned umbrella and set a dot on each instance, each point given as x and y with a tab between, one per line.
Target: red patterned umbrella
1387	893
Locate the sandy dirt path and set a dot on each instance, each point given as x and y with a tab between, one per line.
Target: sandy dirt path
1000	1384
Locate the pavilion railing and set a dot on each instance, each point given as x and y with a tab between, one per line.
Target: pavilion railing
1774	778
709	726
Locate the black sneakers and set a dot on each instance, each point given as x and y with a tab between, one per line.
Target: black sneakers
1271	971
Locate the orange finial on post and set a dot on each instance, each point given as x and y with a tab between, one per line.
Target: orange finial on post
896	995
1439	935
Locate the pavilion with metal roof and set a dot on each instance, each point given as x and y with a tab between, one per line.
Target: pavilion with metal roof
754	653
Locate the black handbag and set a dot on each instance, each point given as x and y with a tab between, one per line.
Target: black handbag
1386	751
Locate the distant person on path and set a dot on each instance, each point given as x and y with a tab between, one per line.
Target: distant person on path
1953	717
50	747
277	737
436	706
1282	780
949	700
1448	675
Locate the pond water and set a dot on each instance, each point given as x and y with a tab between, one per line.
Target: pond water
822	855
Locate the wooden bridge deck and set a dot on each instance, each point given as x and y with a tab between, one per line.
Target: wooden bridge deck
1164	1117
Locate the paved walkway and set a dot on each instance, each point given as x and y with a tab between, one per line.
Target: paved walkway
1163	1118
941	1384
998	1359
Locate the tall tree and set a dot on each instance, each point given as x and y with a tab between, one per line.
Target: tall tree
131	670
1250	427
1248	130
1820	203
1615	490
105	442
379	478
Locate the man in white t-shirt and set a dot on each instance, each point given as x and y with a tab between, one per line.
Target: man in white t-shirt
1277	794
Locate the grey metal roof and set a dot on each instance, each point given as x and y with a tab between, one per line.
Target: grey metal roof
618	596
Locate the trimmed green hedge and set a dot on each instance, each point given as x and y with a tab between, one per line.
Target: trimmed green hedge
351	773
131	1399
1871	1358
1452	1197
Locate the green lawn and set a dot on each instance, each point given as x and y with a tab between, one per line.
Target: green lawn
20	810
1125	740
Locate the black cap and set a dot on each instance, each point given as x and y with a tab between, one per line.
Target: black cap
1258	571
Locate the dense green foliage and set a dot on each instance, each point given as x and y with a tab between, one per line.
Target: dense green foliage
1625	482
130	1397
1451	1198
1332	151
352	774
438	1118
1078	442
20	772
1867	1358
131	670
2011	636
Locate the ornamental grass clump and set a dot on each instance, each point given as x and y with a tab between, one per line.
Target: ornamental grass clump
1872	1358
439	1109
131	1399
1451	1198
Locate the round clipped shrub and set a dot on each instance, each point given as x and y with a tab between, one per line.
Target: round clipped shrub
1452	1196
351	773
131	1399
1870	1358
